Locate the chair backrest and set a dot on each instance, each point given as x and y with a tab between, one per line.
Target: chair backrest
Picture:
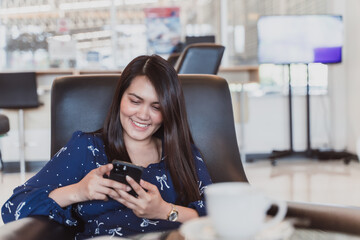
82	102
18	90
79	103
172	59
4	124
200	58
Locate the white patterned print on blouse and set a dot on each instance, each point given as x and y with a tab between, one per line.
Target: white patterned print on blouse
63	149
199	158
93	149
115	231
18	209
8	204
70	223
201	188
79	206
97	229
201	204
146	222
162	180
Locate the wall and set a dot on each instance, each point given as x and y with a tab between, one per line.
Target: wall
352	70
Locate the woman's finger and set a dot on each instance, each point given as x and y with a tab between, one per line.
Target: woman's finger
137	188
124	199
148	186
106	191
115	184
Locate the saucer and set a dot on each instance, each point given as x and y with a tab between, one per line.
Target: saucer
202	229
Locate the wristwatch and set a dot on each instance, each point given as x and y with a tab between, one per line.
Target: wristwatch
173	214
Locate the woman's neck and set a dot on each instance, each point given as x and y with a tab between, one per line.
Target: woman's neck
143	153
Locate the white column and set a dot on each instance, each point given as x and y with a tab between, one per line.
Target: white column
113	17
223	30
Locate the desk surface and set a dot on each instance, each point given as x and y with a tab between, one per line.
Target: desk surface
298	234
41	228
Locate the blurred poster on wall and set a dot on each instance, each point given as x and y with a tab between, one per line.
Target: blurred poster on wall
163	29
62	50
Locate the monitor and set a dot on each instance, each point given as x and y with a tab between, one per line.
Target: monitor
300	39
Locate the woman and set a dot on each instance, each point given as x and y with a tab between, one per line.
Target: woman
147	126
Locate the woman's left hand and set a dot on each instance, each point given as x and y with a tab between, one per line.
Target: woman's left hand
148	204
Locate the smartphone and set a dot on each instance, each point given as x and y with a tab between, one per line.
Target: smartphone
121	169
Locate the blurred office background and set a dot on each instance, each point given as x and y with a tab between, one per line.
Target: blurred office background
57	37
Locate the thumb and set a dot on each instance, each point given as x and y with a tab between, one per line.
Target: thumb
104	169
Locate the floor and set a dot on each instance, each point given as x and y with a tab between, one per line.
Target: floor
330	182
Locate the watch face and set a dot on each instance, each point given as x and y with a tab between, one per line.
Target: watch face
173	216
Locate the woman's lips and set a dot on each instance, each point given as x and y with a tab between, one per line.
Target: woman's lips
140	125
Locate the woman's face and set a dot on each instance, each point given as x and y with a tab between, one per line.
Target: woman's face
140	114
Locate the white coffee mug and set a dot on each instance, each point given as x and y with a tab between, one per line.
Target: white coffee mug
238	211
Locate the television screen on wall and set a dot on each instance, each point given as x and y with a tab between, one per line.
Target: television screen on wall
300	39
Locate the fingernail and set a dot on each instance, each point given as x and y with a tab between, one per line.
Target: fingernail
128	177
128	189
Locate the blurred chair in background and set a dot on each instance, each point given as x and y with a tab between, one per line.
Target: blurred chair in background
4	128
200	58
172	59
18	90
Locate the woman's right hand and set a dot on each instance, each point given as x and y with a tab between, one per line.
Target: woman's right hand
92	187
95	187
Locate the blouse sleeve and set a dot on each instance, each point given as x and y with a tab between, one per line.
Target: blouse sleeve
65	168
204	181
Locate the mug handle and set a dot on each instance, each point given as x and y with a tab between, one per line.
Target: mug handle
280	215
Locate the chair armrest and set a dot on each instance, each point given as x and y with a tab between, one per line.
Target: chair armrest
36	228
335	218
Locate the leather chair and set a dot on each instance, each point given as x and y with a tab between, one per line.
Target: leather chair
18	90
200	58
172	59
4	128
211	121
75	98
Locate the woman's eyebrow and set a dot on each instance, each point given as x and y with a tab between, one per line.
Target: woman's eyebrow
133	94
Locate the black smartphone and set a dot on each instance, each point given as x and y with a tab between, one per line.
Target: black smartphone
121	169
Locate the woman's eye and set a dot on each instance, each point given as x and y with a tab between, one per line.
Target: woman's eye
134	102
157	108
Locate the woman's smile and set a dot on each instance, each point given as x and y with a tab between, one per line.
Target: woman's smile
137	125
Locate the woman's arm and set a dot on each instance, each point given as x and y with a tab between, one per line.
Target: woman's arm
92	187
32	198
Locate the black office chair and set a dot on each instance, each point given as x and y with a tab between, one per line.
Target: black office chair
211	121
18	90
172	59
4	128
79	103
200	58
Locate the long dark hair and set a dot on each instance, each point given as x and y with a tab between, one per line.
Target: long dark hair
175	130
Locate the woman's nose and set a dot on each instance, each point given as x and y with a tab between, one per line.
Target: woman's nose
143	112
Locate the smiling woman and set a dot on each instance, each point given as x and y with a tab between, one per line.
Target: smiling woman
147	126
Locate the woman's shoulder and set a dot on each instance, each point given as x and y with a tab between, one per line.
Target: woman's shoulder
86	137
196	152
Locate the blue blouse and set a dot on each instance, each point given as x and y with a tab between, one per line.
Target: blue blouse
83	153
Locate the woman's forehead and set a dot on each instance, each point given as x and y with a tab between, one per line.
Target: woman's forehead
143	88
